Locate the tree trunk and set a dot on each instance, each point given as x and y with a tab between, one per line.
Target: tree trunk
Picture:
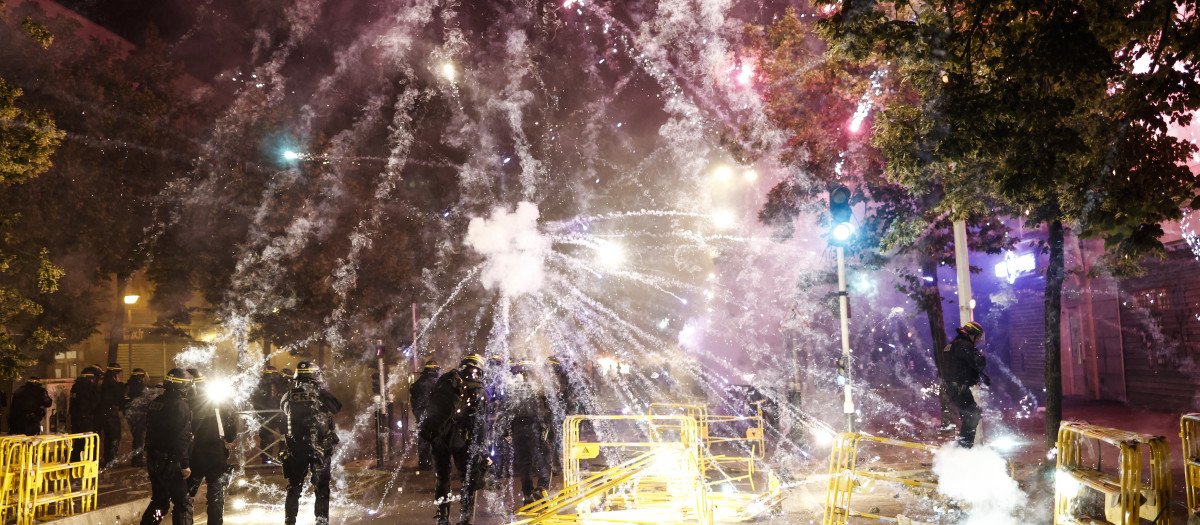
117	331
1055	274
937	327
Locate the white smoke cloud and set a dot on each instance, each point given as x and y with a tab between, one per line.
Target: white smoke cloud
515	250
978	477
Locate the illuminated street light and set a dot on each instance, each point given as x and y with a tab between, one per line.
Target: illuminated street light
290	155
448	71
723	173
130	299
751	175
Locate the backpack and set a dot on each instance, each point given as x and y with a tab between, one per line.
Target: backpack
453	404
308	422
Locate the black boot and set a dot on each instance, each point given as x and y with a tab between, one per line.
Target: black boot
443	514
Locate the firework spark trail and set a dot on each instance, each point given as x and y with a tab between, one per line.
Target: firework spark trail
345	276
462	284
578	221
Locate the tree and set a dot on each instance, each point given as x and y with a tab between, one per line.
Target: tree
126	112
1060	110
822	101
28	138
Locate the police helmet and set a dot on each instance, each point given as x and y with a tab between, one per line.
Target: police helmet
114	366
35	379
306	371
137	372
972	329
474	361
288	373
197	377
432	365
269	370
177	378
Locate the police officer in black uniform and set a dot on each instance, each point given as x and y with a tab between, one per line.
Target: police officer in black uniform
29	404
108	413
418	396
455	426
137	400
85	397
309	410
213	426
529	412
964	369
168	452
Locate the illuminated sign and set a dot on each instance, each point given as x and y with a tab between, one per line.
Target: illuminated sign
1015	266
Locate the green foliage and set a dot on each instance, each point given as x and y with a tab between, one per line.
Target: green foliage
1037	105
27	141
27	138
38	32
814	94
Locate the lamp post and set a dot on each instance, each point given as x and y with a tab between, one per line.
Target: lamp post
842	232
130	300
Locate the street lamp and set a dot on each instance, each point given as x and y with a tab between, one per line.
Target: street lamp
842	232
131	299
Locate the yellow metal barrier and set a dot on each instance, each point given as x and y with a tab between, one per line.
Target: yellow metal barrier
731	478
12	460
1189	426
843	474
41	481
656	478
1123	492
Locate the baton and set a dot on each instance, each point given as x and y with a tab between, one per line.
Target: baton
220	426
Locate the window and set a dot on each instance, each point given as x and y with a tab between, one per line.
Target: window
1155	299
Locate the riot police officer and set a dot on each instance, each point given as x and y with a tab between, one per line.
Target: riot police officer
309	410
418	396
213	426
455	427
529	414
108	413
85	397
964	369
137	400
29	404
168	452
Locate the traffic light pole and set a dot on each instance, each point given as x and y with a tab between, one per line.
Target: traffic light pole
844	308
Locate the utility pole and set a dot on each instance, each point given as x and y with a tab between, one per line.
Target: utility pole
842	232
844	311
966	313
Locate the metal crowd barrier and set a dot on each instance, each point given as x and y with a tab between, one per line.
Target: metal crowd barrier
271	427
731	478
40	480
844	473
651	475
1126	500
1189	430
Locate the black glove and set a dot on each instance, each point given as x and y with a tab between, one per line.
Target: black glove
987	381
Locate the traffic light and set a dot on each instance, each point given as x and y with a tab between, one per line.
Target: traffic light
840	228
